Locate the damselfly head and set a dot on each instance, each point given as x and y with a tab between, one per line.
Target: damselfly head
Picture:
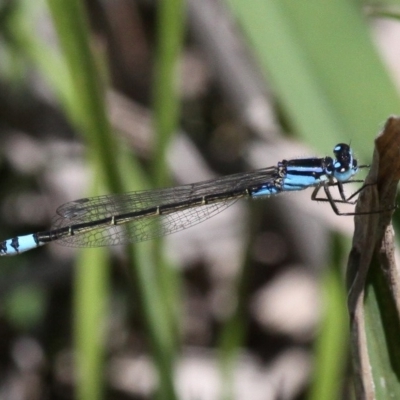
344	164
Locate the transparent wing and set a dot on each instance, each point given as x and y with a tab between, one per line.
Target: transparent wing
140	229
143	229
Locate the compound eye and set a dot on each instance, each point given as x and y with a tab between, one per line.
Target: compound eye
340	168
341	149
337	149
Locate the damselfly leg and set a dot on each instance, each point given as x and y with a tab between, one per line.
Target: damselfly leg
343	199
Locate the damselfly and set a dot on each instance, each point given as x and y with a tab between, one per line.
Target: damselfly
137	216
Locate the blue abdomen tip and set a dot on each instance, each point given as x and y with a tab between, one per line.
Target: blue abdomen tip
18	245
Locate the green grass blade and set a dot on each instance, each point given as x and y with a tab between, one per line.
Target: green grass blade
159	319
166	102
20	25
90	118
73	32
94	123
322	64
383	333
326	73
91	298
332	344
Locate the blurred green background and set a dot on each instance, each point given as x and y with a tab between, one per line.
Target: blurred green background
111	96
